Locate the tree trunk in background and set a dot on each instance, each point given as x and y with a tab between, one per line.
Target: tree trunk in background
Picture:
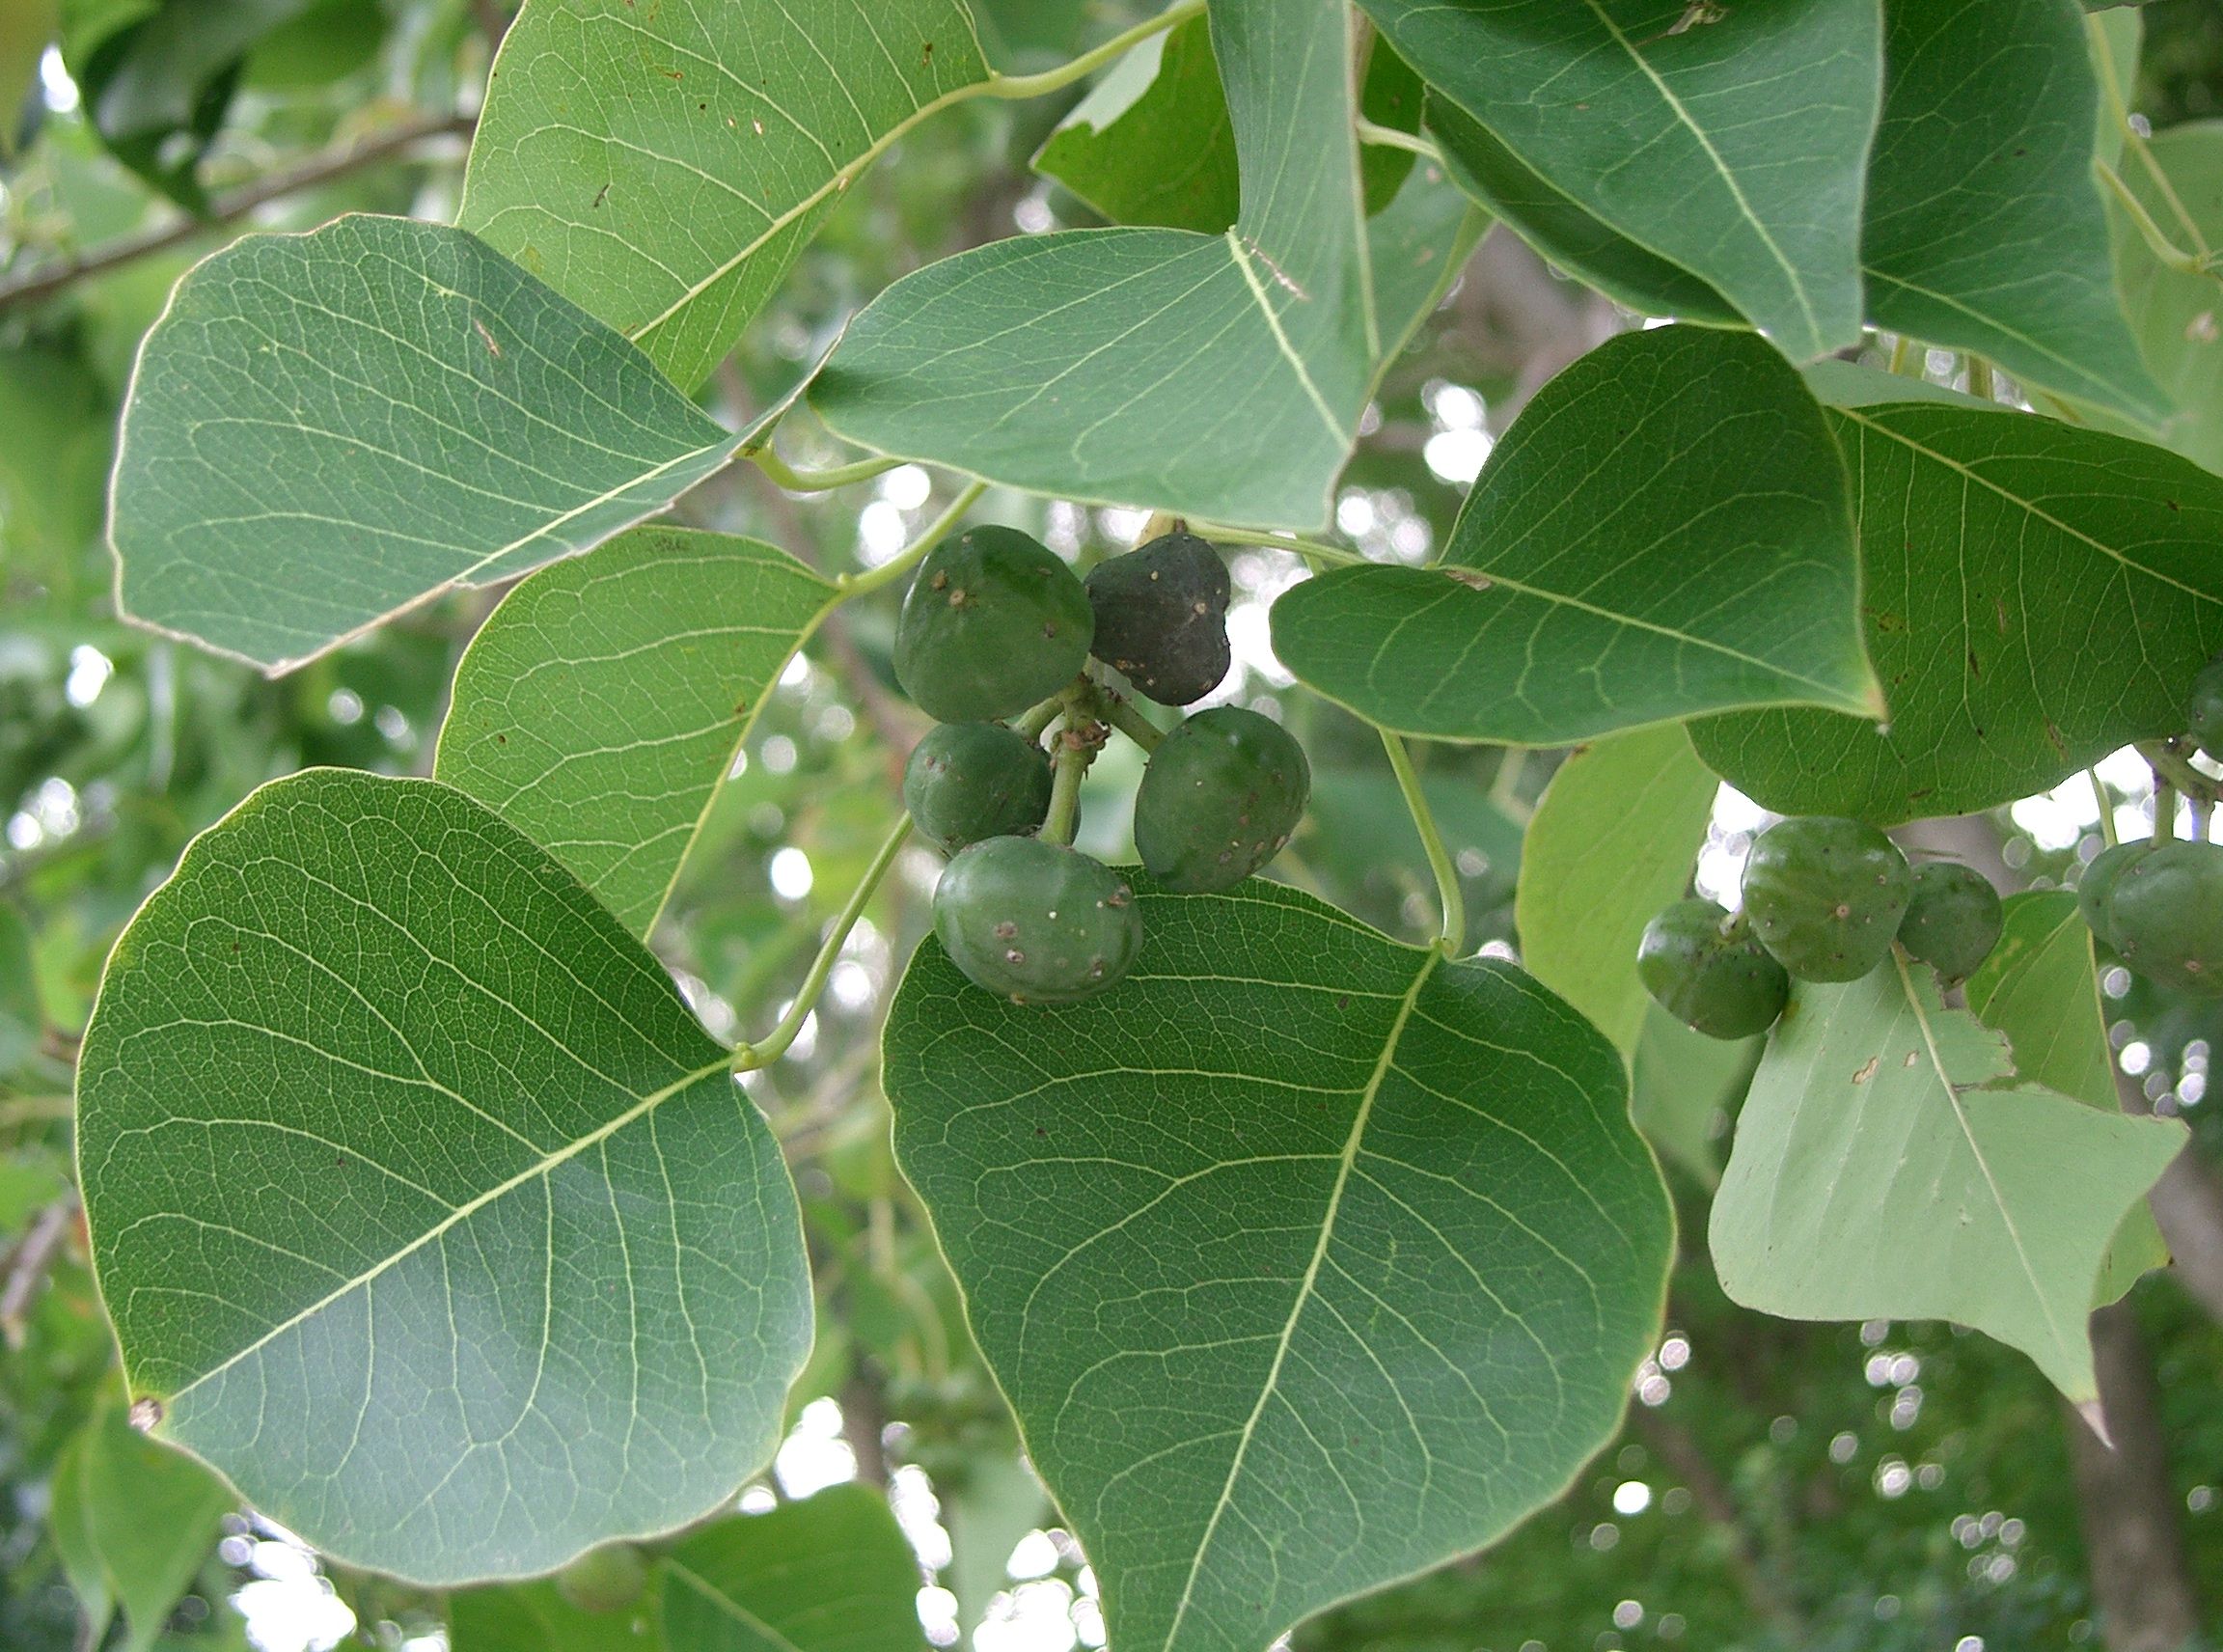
2140	1580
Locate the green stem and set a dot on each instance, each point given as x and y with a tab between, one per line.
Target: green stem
1088	62
888	573
1289	542
1453	935
1065	817
1505	785
1129	720
2164	812
2170	766
2163	249
2134	140
1033	721
1980	383
785	475
1906	357
748	1058
1390	138
2106	807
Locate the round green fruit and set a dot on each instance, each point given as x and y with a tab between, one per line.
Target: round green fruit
1825	895
2203	710
608	1579
994	624
970	780
1161	618
2166	915
2097	886
1725	985
1036	923
1218	799
1953	920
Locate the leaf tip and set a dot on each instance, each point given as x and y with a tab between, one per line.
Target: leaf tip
2096	1420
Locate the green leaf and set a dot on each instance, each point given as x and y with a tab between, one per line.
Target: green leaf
831	1574
146	1516
1611	843
69	1528
1727	141
535	1617
1306	1260
1889	1164
1221	376
2178	318
996	1502
1151	143
2005	559
387	1128
1562	231
1663	531
1682	1086
2037	988
327	428
600	707
662	165
1983	230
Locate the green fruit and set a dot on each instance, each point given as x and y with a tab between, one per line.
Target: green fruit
1161	618
2165	914
608	1579
2098	885
1725	986
993	625
1036	923
1218	799
1953	920
1826	896
2203	710
970	780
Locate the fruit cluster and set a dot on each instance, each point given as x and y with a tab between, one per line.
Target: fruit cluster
1824	900
994	641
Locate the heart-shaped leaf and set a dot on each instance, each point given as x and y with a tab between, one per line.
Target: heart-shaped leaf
1889	1164
1728	142
1983	230
600	707
1221	376
2005	560
326	428
1663	531
1307	1259
388	1129
2175	315
662	165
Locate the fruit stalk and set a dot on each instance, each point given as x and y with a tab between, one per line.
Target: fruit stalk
1452	936
888	573
1128	721
748	1058
1077	746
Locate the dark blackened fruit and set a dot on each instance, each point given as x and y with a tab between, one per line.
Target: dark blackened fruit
1036	923
1218	799
1722	983
2204	712
2165	914
2097	886
1825	895
970	780
1953	920
993	624
608	1579
1161	618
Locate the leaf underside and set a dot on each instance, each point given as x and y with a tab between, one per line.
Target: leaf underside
388	1130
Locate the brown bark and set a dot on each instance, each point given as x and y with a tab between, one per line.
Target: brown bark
2141	1581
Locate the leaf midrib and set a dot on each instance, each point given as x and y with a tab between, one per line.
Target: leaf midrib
1952	1092
540	1169
1306	1284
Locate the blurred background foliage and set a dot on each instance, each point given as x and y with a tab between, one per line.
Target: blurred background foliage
1779	1485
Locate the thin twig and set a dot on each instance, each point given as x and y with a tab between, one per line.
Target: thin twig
337	162
27	1266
